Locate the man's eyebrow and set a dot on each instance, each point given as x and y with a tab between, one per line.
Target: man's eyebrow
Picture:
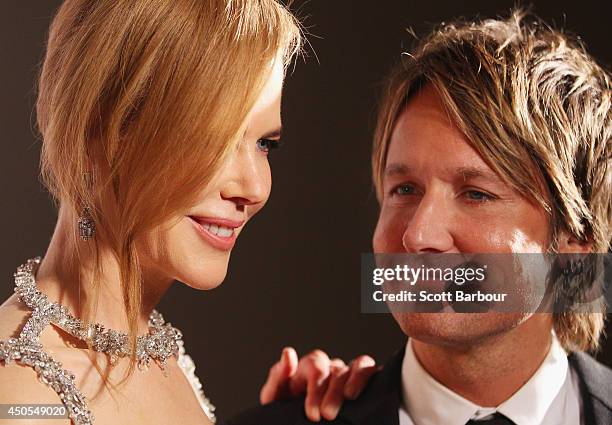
477	172
465	173
274	134
396	168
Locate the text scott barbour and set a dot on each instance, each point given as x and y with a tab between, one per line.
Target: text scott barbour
412	275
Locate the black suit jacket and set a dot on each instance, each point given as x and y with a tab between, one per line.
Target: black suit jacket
379	403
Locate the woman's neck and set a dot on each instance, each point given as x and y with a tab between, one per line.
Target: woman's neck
68	279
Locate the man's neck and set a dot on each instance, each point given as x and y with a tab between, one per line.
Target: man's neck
491	371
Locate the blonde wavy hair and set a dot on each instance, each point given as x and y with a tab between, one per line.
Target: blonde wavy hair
537	108
137	98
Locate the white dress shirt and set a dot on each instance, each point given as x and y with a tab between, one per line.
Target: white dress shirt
550	397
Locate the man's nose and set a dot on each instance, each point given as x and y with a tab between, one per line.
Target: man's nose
428	230
247	179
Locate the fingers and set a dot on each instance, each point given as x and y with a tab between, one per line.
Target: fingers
277	384
326	382
332	401
346	382
312	374
361	370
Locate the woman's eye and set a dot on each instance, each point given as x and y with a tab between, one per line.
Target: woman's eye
478	196
265	145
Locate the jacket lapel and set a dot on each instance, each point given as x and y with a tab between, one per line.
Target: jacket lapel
595	388
379	404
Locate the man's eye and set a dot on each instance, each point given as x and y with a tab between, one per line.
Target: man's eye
478	196
265	145
402	189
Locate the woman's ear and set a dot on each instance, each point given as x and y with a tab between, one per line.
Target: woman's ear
571	245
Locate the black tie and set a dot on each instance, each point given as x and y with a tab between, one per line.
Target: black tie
496	419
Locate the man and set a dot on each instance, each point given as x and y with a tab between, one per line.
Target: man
493	137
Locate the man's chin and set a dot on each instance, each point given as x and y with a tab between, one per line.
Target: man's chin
456	329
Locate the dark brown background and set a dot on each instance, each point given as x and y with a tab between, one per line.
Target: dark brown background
294	275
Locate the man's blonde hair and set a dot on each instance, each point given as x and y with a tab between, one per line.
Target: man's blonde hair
536	107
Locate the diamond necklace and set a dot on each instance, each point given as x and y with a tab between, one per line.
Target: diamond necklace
159	344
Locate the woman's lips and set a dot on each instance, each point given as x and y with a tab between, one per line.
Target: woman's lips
218	232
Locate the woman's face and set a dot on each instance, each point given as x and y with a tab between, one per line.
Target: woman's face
197	248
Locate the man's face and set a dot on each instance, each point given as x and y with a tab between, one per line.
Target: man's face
439	196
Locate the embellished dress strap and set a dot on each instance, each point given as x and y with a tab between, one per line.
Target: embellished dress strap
162	341
27	350
187	365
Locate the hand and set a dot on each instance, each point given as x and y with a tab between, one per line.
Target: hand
326	382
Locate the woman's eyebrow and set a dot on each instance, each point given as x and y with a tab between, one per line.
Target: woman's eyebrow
273	134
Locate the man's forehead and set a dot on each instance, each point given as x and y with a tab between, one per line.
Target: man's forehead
466	172
427	101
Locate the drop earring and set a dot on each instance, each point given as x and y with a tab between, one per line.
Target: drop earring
87	227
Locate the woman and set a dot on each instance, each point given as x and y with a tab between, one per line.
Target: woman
157	118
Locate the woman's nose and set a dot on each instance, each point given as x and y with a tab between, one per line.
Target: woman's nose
246	177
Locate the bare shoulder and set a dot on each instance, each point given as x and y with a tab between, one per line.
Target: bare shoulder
19	383
20	405
13	316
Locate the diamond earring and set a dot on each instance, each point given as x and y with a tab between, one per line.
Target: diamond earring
87	227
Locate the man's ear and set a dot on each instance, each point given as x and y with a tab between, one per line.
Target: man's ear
569	244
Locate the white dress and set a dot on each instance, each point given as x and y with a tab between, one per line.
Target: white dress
27	350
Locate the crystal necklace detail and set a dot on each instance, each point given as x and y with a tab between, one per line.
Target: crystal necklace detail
162	341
